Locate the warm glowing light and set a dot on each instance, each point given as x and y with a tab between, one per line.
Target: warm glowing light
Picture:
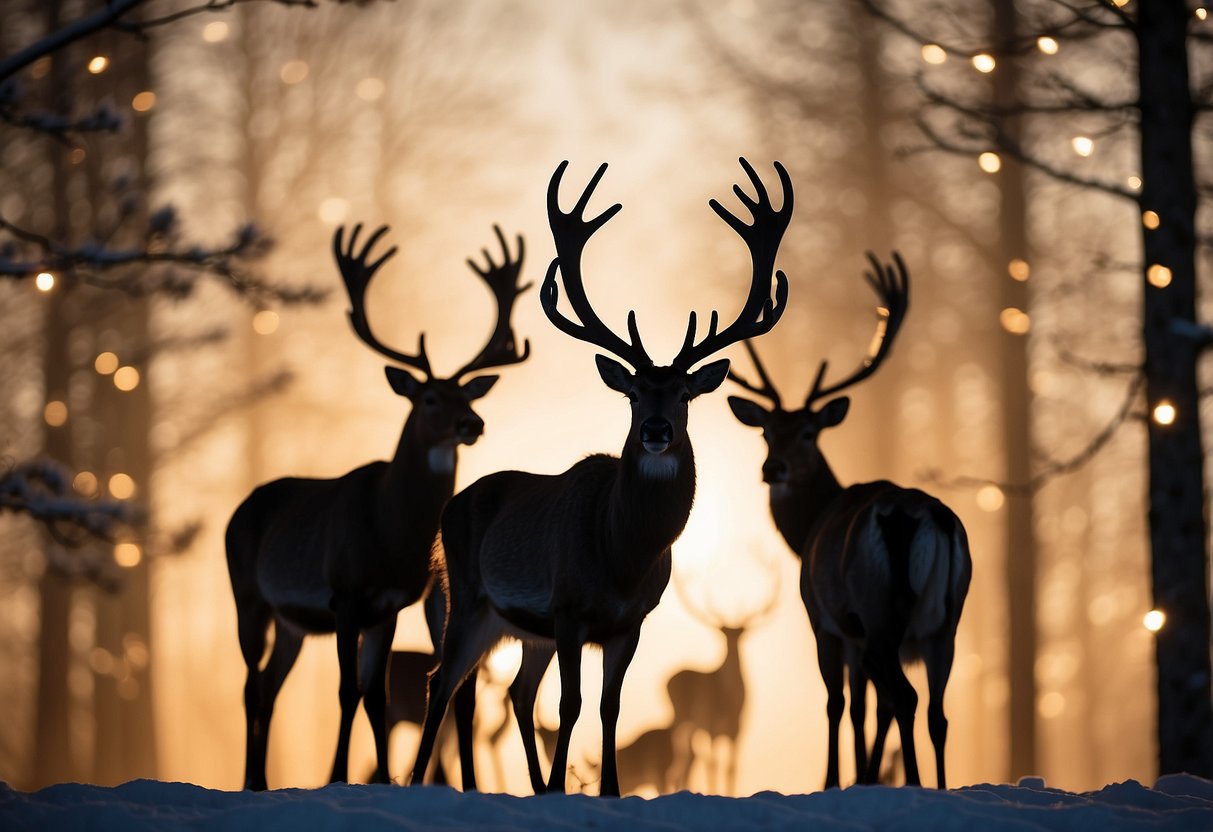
215	32
369	89
106	363
121	486
1083	145
1047	45
989	162
1051	705
933	53
126	378
1019	269
1150	219
85	483
1153	620
55	414
1158	276
127	554
98	64
984	62
1015	321
1134	183
293	72
45	281
1202	13
265	322
1164	413
77	155
1120	3
144	101
990	497
333	210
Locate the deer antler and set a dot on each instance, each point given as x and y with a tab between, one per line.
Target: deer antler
767	390
357	274
502	279
762	237
892	287
571	232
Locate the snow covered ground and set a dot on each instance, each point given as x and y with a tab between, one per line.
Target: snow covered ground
1175	803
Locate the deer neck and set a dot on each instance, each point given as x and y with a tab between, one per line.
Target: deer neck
420	479
651	499
796	506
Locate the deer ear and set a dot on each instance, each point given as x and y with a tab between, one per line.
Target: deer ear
614	375
748	412
834	412
708	377
478	386
402	382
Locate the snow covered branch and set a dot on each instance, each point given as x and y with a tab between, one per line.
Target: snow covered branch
42	489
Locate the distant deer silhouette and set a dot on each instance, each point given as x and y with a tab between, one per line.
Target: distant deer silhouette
346	555
583	556
885	569
713	701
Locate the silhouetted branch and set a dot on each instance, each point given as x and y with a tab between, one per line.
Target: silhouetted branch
1053	468
94	262
42	489
103	119
1103	368
1201	334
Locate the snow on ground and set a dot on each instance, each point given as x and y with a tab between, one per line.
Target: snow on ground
1176	802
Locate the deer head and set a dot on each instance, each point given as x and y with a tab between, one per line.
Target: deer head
791	435
659	395
442	409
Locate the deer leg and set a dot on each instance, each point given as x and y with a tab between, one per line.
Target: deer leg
463	644
857	682
348	693
938	658
568	652
465	717
884	718
616	656
253	619
883	664
523	691
731	768
830	663
376	653
287	642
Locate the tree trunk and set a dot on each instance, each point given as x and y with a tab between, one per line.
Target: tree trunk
1017	409
1177	494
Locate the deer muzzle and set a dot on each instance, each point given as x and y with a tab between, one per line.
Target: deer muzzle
656	435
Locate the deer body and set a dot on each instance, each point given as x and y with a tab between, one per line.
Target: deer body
345	555
885	569
583	556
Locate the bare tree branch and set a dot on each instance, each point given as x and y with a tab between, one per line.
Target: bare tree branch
42	489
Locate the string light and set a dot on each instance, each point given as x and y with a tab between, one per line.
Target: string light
1047	45
106	363
127	555
1154	620
1201	13
85	483
1134	183
1019	269
45	281
1149	219
122	486
1015	321
984	63
933	53
126	378
990	497
1158	276
989	162
144	101
1164	413
265	322
1083	145
98	64
55	414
